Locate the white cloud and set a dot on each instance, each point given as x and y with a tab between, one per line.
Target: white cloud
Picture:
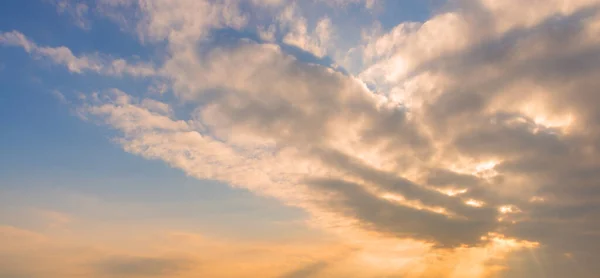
78	11
60	97
78	64
268	33
184	22
15	38
297	34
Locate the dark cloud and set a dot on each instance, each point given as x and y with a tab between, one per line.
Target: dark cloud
444	177
393	183
508	141
387	217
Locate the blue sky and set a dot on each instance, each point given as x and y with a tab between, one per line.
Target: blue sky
343	138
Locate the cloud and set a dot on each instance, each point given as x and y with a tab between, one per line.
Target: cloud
297	34
475	112
78	64
250	128
142	266
516	91
235	156
77	11
402	221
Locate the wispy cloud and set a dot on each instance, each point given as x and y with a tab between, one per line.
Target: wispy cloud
61	55
76	10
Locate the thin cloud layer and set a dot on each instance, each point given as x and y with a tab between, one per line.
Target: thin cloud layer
142	267
476	129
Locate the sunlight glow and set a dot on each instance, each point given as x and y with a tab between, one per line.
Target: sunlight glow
414	204
453	192
474	203
509	209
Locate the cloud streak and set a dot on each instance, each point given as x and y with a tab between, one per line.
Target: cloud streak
61	55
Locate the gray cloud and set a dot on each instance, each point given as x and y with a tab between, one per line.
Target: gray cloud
384	216
402	186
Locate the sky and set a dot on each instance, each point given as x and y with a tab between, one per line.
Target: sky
299	138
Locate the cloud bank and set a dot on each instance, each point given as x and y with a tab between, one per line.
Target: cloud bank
476	127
